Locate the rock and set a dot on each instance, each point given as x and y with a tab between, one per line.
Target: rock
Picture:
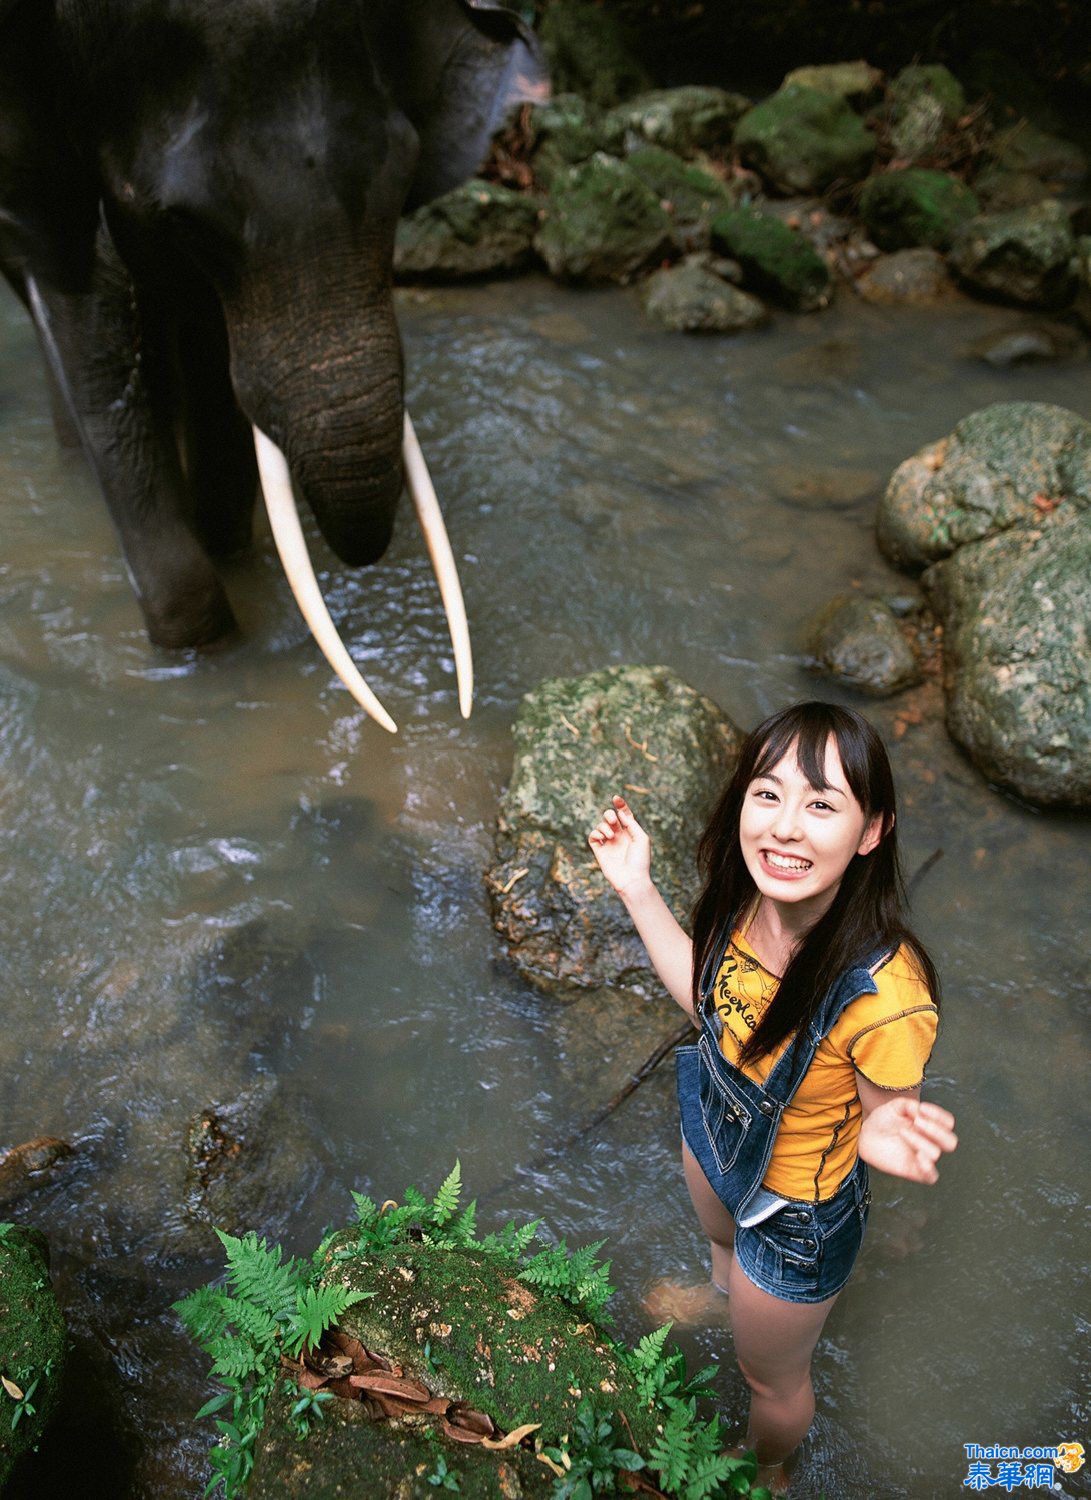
1083	285
683	120
1000	189
1021	343
690	298
640	731
25	1167
808	488
690	196
803	141
564	130
1027	255
997	469
855	81
858	641
915	207
1025	148
478	229
33	1344
251	1158
602	223
814	221
918	278
1017	658
925	101
776	260
589	53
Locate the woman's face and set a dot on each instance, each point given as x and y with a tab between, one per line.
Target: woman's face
798	840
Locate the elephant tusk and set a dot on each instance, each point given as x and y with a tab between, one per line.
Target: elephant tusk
430	516
276	488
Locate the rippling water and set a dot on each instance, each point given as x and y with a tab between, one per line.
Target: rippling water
215	870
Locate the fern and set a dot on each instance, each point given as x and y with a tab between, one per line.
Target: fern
649	1351
672	1453
202	1313
258	1275
315	1309
445	1203
511	1243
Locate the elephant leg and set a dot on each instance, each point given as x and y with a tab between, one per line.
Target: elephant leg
216	440
119	392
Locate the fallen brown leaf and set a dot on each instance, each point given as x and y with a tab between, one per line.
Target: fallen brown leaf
511	1439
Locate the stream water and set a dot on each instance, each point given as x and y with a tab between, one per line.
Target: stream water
215	870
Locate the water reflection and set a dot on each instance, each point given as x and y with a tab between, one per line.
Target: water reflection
216	872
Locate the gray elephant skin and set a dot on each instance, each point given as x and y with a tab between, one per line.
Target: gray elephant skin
198	201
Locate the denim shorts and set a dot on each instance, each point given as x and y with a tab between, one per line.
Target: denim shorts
805	1252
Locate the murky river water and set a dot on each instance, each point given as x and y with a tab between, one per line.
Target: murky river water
215	870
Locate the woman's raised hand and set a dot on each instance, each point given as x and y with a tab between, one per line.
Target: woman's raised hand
907	1137
622	848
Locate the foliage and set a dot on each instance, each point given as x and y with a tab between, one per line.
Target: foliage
444	1477
591	1457
274	1306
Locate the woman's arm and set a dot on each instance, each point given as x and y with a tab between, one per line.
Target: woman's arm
624	855
902	1135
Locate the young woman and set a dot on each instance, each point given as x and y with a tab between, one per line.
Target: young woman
817	1011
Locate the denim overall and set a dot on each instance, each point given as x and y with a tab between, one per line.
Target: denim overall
730	1124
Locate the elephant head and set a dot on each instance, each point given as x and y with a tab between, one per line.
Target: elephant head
198	205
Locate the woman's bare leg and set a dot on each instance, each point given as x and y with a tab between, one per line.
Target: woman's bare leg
715	1220
774	1342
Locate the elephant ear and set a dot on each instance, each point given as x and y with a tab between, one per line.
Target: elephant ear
488	61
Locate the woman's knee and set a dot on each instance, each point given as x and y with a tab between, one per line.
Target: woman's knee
775	1384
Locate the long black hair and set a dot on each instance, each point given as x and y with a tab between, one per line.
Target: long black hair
869	907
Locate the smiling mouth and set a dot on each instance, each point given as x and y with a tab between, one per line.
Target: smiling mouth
786	862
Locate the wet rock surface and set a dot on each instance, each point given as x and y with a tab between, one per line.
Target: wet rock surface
691	298
858	641
478	229
1025	256
1028	341
602	223
915	207
691	197
639	731
564	131
683	120
925	101
855	81
802	140
916	278
33	1345
29	1165
776	260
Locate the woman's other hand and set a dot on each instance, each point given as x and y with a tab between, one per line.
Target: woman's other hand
622	848
904	1136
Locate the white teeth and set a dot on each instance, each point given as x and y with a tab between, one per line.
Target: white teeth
783	863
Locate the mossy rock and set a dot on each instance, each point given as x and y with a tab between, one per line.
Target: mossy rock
467	1330
1017	662
1026	256
602	223
690	298
590	53
994	472
691	197
925	102
858	641
478	229
33	1342
1083	286
565	130
1000	189
854	81
776	260
684	120
1025	148
915	207
577	741
802	140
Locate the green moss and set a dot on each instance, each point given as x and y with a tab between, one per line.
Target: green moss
803	141
775	259
33	1342
692	195
915	207
602	223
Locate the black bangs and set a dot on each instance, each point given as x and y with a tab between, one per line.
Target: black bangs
808	726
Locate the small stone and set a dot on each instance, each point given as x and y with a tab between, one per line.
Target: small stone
810	488
691	299
916	278
1026	256
1022	343
858	641
855	81
478	229
683	120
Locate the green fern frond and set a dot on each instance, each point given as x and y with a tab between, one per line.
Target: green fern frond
649	1351
260	1275
253	1322
445	1203
367	1210
235	1357
203	1314
672	1454
316	1308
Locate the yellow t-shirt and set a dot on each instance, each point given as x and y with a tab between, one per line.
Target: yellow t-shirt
888	1037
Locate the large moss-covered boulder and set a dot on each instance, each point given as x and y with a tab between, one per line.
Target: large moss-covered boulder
776	260
691	196
856	81
639	731
33	1344
590	53
1026	256
858	641
1000	467
803	140
684	120
602	223
1016	610
478	229
1026	148
564	131
925	102
691	298
915	207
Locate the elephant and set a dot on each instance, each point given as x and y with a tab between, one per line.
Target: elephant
198	201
